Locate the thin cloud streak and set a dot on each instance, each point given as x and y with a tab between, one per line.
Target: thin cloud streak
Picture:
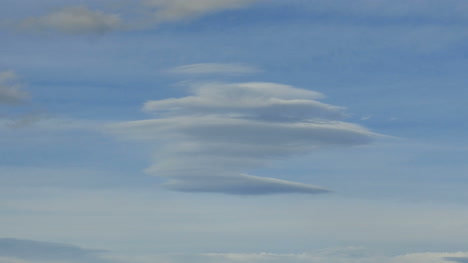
214	68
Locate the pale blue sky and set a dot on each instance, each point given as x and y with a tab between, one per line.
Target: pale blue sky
233	131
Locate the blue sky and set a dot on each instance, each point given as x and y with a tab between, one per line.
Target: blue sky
233	131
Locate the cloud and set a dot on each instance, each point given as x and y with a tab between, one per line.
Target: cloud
24	120
176	10
398	9
349	254
214	68
11	91
242	184
139	15
74	20
252	100
142	14
457	259
210	140
11	260
22	250
431	257
339	255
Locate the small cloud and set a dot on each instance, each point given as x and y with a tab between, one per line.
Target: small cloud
11	91
365	118
74	20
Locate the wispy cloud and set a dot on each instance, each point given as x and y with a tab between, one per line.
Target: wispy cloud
11	91
74	20
138	15
223	130
214	68
175	10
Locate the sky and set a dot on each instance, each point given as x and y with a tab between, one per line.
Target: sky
231	131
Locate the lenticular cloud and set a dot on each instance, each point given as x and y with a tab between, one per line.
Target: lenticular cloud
219	133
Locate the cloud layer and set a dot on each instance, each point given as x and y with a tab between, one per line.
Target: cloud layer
211	139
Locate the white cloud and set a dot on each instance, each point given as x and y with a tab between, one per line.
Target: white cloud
215	68
224	130
175	10
74	20
11	91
